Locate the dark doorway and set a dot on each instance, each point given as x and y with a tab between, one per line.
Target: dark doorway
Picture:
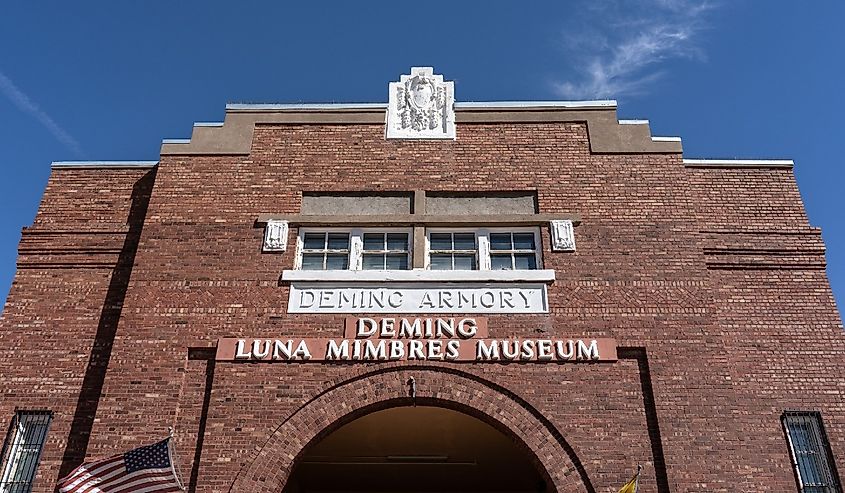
415	449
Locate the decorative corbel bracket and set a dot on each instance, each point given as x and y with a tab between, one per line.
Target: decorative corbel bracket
563	235
275	236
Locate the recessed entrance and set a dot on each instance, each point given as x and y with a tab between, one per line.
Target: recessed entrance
415	449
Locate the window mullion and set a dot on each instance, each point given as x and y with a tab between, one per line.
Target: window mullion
483	241
356	249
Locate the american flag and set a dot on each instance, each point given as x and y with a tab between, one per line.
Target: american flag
142	470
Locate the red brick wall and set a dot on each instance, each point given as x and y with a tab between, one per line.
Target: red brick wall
716	273
63	308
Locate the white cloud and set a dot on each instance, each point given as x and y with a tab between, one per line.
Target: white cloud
26	105
619	49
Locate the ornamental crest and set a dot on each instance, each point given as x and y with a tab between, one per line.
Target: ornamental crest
421	106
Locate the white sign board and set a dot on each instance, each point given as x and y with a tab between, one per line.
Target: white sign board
417	298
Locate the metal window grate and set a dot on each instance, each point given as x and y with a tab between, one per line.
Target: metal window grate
22	450
811	455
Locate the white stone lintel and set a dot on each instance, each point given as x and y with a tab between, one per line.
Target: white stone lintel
541	275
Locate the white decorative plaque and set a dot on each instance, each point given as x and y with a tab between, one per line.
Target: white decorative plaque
421	106
417	298
563	235
275	236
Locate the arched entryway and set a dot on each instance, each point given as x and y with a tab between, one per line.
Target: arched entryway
268	469
415	449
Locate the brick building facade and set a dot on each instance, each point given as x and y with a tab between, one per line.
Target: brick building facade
705	276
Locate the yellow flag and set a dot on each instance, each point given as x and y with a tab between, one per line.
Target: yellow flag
631	486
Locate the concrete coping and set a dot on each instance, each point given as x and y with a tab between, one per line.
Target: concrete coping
665	139
467	105
739	163
103	164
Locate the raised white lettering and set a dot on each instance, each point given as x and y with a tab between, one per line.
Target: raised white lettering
467	328
302	351
366	327
565	349
387	327
453	348
590	352
375	351
260	351
335	351
483	352
397	350
435	350
507	353
446	327
527	350
415	350
282	350
410	330
239	350
544	350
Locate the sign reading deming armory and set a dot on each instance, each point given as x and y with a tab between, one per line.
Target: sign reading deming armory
418	298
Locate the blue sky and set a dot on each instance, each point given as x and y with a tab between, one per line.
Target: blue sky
734	78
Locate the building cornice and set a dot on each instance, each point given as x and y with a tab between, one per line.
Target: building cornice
103	164
608	135
739	163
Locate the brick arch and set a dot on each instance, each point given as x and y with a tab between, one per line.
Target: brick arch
270	467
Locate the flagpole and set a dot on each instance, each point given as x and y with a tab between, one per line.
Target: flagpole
172	453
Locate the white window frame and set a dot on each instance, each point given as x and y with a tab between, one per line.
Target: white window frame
356	244
812	453
16	450
482	242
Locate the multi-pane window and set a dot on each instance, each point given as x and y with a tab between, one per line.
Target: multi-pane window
385	251
513	251
811	453
483	249
22	450
460	249
325	250
452	251
354	249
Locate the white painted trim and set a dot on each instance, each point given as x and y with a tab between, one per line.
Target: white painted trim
665	139
175	141
420	275
491	105
304	106
103	164
739	163
208	124
600	103
633	122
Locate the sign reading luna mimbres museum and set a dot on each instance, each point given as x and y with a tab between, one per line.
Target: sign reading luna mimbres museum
423	339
